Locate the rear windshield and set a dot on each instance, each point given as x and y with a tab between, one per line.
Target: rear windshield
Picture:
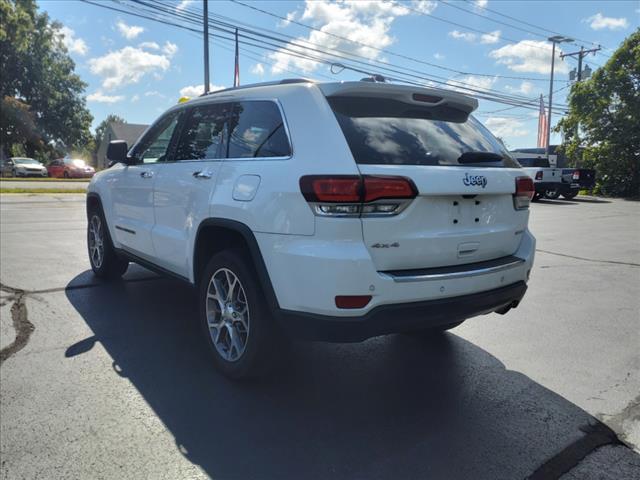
533	162
388	132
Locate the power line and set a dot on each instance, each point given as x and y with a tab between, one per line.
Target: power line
383	50
249	40
448	82
530	24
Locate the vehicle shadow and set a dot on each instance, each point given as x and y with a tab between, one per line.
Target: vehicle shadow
590	200
392	407
547	201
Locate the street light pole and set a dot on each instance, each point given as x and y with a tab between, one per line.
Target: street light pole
555	39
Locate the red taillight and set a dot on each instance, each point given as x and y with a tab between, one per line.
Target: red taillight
524	193
539	175
352	301
334	189
357	195
576	175
376	188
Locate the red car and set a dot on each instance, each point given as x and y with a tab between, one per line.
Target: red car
70	168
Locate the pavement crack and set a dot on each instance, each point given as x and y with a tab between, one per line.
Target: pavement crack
596	436
21	324
594	260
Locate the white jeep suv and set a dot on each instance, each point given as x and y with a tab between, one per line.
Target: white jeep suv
331	211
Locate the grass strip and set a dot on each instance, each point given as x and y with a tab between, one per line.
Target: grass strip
42	190
43	179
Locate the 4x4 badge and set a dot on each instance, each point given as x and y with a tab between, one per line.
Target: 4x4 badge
470	180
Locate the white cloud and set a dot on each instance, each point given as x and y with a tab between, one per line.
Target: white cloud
438	56
600	22
525	88
150	45
99	97
287	22
529	56
491	37
184	4
366	22
472	81
258	69
129	31
128	65
506	127
170	49
424	6
197	90
466	36
481	3
135	98
154	93
73	43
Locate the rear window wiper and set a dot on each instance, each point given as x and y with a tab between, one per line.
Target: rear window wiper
478	157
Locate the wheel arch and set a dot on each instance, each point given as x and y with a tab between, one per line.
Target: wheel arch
216	234
93	201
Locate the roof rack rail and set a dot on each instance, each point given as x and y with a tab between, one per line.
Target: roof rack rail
285	81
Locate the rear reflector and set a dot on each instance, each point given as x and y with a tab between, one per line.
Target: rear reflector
352	301
524	193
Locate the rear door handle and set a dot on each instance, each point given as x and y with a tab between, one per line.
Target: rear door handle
146	174
202	174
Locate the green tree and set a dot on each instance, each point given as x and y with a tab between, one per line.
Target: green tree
602	129
100	129
41	98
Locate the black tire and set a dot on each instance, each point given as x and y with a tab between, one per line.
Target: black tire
434	331
570	194
552	194
112	266
262	335
66	174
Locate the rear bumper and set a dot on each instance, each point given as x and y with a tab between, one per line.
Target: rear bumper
542	187
397	318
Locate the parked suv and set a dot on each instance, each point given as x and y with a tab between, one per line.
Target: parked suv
331	211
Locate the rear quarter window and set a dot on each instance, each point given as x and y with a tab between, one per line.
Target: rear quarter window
389	132
257	130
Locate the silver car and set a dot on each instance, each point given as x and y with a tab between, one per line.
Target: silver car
23	167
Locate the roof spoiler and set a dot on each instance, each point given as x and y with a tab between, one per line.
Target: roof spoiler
426	97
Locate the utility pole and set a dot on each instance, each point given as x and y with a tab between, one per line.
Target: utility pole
555	39
205	21
581	54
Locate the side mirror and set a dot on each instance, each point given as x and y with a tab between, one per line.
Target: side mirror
117	151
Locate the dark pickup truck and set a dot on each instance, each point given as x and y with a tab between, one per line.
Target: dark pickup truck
574	180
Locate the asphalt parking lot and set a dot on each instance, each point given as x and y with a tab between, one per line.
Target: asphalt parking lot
113	381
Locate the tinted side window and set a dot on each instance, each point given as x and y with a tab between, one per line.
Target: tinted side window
257	130
155	144
203	135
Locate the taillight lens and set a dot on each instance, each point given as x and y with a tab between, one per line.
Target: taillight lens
576	175
336	189
524	193
539	175
351	195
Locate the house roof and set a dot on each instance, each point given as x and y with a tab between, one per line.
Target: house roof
129	132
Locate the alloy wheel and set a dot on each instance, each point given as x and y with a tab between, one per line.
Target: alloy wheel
96	241
227	314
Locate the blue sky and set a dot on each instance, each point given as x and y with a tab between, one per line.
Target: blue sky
137	68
